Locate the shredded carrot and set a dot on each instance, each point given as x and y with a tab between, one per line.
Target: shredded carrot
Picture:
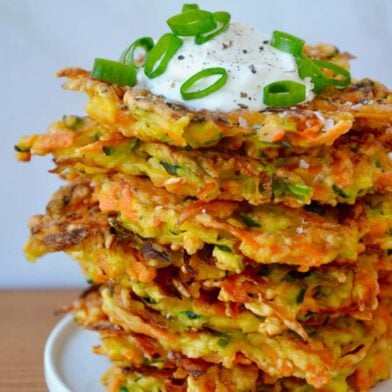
317	376
46	143
331	135
125	122
97	147
311	132
237	289
141	273
117	197
204	192
274	135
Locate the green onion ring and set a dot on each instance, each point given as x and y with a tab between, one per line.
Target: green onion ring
188	7
287	43
284	93
128	56
312	68
307	68
338	70
186	86
191	23
222	19
159	56
114	72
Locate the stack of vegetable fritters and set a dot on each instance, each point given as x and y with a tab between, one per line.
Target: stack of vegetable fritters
242	251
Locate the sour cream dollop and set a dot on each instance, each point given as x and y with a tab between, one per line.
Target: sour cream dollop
251	63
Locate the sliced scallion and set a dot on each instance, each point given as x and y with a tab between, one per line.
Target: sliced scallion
128	56
222	20
114	72
284	93
186	88
287	43
159	56
338	71
313	69
192	22
188	7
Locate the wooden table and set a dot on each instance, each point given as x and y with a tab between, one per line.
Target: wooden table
26	319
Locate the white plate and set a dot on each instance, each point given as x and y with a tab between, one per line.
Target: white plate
71	366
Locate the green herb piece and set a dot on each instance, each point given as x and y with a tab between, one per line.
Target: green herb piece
114	72
222	20
159	56
186	88
249	220
191	315
339	191
128	56
284	93
107	150
224	248
301	295
313	69
171	168
192	22
188	7
287	43
282	187
223	341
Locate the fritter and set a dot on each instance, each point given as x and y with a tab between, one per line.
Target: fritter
243	378
352	167
108	253
265	234
250	302
133	209
136	113
213	378
334	351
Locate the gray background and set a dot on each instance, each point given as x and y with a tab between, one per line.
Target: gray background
39	37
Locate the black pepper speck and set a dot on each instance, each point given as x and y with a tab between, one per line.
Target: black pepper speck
252	68
181	57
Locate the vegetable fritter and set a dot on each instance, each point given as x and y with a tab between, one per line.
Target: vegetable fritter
336	349
353	167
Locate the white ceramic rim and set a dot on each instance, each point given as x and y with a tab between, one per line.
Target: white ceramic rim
53	344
